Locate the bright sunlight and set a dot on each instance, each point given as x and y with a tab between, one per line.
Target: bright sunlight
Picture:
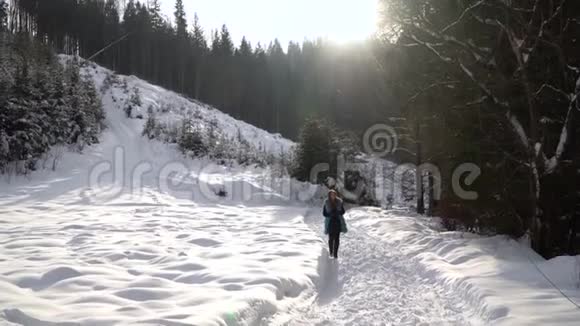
286	20
346	20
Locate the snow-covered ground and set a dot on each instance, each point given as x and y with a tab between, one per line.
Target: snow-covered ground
156	263
131	233
396	268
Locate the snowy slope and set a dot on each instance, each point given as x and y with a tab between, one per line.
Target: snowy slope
97	242
170	108
132	233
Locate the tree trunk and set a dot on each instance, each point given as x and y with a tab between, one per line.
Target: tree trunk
575	228
431	193
419	172
537	221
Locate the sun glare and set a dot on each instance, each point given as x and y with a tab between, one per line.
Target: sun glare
263	21
348	20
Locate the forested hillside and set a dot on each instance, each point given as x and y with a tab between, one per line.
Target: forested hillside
267	85
45	107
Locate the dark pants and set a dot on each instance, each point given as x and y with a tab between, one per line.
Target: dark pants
333	243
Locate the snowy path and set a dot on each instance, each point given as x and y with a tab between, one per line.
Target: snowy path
373	283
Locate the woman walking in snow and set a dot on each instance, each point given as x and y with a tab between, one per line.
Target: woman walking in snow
334	223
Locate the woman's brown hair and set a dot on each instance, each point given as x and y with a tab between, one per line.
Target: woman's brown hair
332	202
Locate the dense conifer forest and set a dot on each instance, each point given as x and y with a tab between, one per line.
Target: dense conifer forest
269	85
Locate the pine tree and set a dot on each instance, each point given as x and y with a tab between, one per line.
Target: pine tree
129	52
198	36
191	140
111	32
279	76
226	46
215	43
180	20
182	44
242	71
199	56
316	146
157	20
150	126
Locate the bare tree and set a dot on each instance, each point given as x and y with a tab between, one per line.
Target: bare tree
504	48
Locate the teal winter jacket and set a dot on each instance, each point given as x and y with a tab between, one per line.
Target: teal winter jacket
328	213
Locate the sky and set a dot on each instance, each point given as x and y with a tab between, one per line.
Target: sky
288	20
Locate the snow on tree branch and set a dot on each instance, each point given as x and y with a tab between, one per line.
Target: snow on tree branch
554	161
463	14
435	85
518	128
432	49
546	86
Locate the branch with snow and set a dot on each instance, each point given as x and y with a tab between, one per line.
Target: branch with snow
574	107
431	47
518	128
518	37
463	14
428	88
547	86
